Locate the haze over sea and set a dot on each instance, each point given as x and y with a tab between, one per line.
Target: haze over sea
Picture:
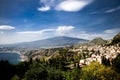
13	58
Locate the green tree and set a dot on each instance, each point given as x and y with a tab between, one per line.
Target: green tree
21	68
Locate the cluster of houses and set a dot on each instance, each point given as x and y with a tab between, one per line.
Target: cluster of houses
96	53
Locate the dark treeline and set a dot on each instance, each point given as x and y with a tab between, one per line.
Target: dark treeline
57	68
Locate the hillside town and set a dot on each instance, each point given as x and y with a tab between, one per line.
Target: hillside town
96	53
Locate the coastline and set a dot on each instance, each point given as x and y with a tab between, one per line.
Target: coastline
22	57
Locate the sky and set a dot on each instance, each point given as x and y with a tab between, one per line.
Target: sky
30	20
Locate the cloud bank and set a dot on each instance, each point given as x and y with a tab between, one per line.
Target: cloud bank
71	31
61	30
35	32
27	36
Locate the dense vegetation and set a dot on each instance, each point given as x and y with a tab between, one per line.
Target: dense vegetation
116	39
57	68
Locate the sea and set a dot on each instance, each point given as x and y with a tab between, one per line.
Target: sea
13	58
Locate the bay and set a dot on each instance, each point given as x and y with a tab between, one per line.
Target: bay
12	58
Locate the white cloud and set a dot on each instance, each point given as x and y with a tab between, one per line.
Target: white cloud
106	11
35	32
44	8
112	31
61	30
72	5
6	27
112	10
64	5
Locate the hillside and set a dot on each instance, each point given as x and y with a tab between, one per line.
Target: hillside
98	41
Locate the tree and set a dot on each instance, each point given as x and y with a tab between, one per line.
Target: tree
105	61
21	68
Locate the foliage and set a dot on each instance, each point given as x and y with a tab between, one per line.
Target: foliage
116	64
72	74
41	71
116	39
21	68
96	71
105	61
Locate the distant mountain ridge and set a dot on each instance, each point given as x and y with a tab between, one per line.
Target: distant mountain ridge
98	40
53	42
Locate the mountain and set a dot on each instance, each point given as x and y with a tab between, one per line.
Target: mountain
59	41
98	41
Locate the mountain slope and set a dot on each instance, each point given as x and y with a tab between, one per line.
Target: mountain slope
51	42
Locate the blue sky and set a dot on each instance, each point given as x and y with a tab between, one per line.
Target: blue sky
29	20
